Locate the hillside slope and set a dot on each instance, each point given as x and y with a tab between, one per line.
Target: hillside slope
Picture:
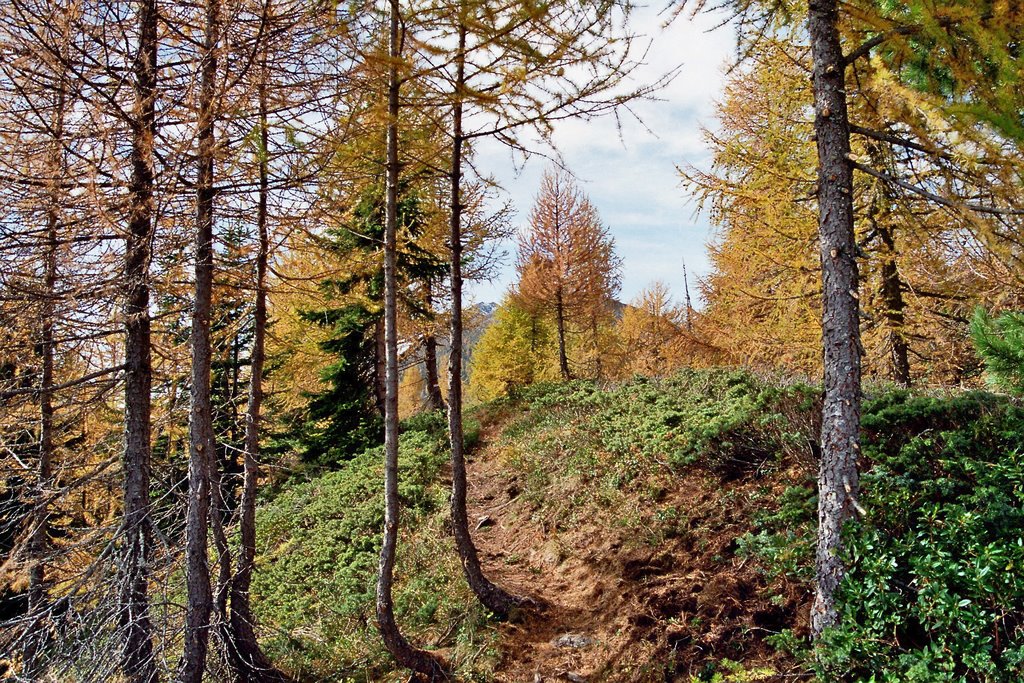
665	531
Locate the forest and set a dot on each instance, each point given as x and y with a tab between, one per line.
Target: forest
252	427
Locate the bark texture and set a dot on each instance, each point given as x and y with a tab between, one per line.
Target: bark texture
405	654
837	476
895	310
201	451
137	661
493	597
379	366
890	290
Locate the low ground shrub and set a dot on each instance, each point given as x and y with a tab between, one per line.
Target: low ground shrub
936	587
318	544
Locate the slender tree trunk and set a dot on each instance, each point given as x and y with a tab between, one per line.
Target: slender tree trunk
689	305
251	664
201	452
891	287
220	469
218	520
405	654
39	540
598	370
895	310
493	597
137	661
434	398
837	478
533	341
379	365
563	358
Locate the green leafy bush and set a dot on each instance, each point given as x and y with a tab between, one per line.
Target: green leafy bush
936	588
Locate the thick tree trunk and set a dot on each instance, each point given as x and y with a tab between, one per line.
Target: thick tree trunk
404	653
494	598
137	662
250	663
837	478
201	452
563	357
434	399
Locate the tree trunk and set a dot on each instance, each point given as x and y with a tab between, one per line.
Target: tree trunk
689	305
379	366
137	661
895	310
250	663
218	520
201	452
434	399
404	653
39	540
890	289
837	478
563	358
494	598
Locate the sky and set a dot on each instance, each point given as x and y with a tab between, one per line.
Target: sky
631	177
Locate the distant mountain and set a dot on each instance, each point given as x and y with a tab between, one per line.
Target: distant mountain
478	318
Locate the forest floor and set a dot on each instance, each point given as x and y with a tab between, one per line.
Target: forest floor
615	605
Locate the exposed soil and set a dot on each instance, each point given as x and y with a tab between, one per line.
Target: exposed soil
614	607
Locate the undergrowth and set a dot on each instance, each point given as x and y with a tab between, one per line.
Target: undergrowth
319	542
935	590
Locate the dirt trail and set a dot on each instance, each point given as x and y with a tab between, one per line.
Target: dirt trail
519	554
616	608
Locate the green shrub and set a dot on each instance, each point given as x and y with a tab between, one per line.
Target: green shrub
936	587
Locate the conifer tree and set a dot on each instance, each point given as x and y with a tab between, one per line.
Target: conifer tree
405	654
515	351
566	264
1000	342
651	334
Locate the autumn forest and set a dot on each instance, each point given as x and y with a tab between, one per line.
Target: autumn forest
253	427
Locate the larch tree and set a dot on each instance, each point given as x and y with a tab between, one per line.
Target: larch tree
106	217
651	334
404	653
838	481
250	662
201	439
566	262
137	660
838	249
513	352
